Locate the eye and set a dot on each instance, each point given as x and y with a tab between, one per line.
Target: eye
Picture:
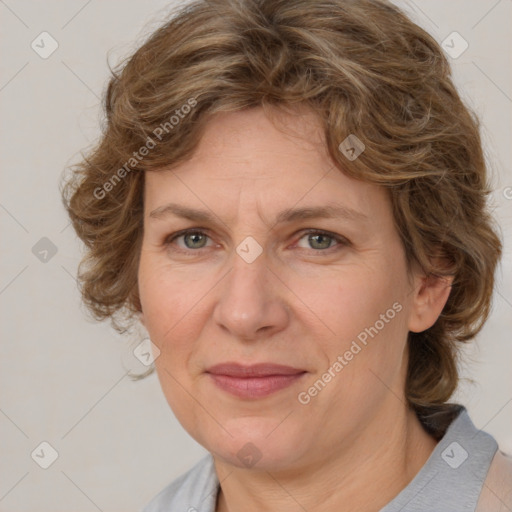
322	240
191	240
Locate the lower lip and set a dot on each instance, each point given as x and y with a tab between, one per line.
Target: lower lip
254	387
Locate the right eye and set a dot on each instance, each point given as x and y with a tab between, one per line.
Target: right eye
188	240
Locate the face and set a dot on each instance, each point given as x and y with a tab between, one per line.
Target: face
259	252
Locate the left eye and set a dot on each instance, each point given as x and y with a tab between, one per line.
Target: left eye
320	240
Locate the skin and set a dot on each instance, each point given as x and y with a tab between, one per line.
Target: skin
301	303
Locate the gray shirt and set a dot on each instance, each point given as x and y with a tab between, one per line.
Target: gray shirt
450	480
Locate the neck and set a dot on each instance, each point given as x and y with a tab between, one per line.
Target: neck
364	475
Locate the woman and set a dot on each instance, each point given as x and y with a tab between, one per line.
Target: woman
291	197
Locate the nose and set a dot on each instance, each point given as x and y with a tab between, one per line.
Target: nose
251	302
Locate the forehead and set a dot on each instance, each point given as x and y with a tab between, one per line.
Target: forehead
245	160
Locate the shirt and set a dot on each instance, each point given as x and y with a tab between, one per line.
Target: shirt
451	479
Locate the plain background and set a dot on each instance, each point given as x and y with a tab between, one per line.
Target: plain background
63	377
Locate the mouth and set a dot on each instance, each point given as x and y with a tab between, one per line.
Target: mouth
254	381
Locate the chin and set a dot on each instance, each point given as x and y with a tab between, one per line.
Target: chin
256	443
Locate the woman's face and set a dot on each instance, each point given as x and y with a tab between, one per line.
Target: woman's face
288	262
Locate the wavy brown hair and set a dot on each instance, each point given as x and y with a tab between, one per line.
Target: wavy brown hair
365	69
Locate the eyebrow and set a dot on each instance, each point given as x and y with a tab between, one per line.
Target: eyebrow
329	211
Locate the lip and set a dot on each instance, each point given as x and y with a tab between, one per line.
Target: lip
232	369
253	381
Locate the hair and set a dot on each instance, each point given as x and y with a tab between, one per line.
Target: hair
365	69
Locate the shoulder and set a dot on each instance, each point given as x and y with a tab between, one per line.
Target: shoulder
496	495
194	491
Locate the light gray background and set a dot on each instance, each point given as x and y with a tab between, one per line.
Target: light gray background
63	377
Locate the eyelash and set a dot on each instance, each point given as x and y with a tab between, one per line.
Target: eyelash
340	241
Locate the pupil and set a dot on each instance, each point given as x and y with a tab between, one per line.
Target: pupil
318	238
194	238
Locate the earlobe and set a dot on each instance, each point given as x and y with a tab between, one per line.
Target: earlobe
430	297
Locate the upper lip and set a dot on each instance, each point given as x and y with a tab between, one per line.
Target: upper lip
255	370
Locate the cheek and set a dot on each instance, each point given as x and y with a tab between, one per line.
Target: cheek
353	300
365	312
174	316
173	308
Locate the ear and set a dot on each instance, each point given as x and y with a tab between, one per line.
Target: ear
430	296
